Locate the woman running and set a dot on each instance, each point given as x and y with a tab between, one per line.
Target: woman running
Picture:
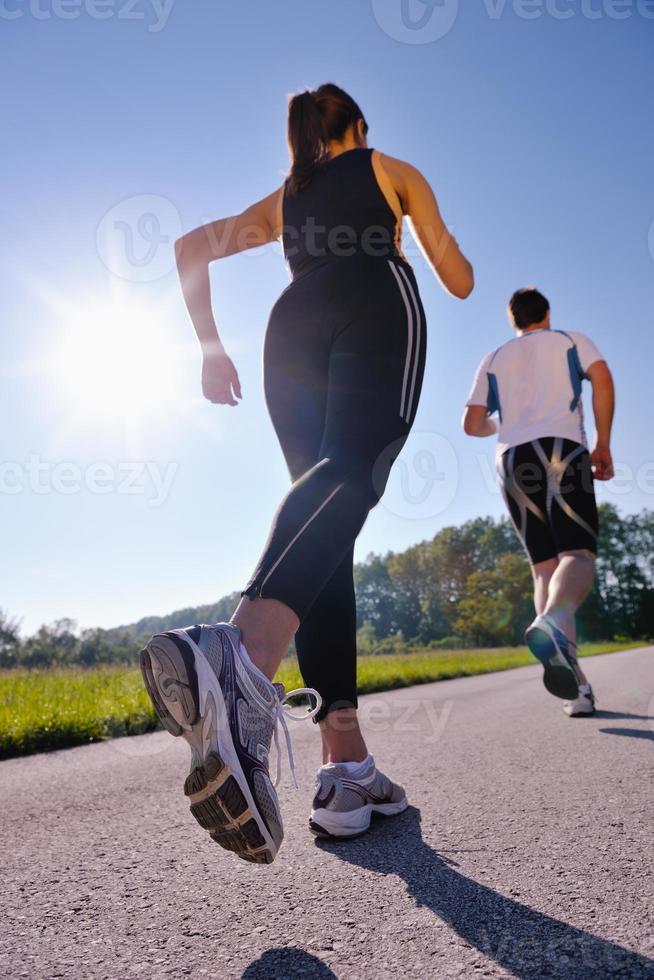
344	356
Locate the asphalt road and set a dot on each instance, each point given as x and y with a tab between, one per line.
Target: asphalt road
526	851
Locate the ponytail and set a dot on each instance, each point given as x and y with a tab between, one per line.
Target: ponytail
315	118
307	139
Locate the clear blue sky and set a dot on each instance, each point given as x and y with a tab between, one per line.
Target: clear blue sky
537	136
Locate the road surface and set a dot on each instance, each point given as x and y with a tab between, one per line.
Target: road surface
526	851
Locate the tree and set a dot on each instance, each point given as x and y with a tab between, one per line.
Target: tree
366	638
9	641
53	644
625	571
382	602
497	604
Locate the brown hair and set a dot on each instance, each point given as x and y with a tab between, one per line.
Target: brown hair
315	118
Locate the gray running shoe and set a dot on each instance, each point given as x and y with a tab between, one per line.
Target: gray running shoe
204	689
551	646
343	807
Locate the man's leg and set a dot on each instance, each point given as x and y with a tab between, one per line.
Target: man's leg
542	573
569	585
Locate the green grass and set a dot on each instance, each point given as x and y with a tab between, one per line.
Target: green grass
55	709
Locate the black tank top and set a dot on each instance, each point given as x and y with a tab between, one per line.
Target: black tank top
342	212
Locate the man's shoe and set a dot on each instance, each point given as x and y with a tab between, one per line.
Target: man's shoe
550	645
583	706
343	806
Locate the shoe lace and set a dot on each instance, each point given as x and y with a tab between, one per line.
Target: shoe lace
282	712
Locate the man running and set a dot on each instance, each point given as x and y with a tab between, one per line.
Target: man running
532	384
344	356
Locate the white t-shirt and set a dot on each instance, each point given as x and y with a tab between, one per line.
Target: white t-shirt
533	382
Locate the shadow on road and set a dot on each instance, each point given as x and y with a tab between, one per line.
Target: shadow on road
600	713
522	940
630	732
287	962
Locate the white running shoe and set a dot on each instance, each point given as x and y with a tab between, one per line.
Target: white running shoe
343	806
205	688
582	706
551	646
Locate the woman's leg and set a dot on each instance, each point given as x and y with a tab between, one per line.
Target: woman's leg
295	384
375	368
328	635
267	627
327	638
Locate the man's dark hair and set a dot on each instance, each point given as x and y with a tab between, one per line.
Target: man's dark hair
527	306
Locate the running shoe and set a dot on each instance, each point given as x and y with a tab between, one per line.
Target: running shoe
583	706
550	645
343	806
205	688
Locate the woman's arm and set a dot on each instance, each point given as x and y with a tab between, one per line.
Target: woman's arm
257	225
439	247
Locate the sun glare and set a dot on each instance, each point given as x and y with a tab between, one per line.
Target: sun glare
117	364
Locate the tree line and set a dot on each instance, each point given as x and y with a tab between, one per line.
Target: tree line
467	586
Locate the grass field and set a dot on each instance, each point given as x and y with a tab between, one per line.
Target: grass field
55	709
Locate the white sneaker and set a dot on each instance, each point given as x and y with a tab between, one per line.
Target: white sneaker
205	688
583	705
343	805
551	646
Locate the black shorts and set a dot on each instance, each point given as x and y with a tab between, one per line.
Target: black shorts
548	488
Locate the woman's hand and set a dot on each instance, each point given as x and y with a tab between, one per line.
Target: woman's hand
220	383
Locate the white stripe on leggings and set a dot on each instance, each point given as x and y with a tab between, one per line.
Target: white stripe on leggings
412	351
303	528
416	356
409	343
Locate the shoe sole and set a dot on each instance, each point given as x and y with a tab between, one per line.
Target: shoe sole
581	714
320	820
559	679
188	700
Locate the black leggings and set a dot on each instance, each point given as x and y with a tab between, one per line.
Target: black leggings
344	357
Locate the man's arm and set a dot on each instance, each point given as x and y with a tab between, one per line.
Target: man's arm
603	407
477	422
476	419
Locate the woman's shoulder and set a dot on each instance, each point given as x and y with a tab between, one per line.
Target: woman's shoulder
394	165
401	174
